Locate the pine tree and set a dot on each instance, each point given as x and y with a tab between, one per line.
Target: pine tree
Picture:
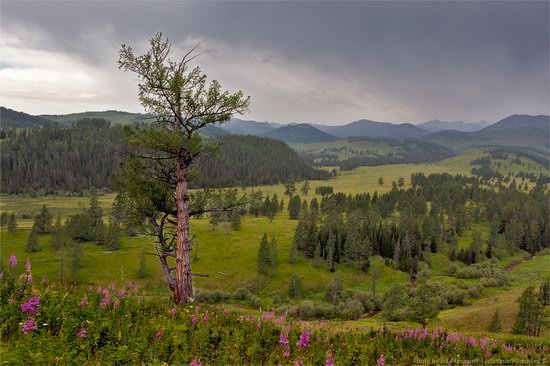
12	223
235	220
496	323
305	188
376	272
317	255
57	234
273	260
544	292
294	207
295	288
94	211
4	219
336	290
290	189
531	313
331	245
381	181
76	261
43	220
264	258
112	237
100	234
32	241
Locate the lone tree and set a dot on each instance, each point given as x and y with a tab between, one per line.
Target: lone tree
161	157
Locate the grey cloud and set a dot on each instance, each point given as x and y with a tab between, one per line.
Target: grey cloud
409	60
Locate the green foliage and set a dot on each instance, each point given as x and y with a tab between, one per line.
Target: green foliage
77	251
43	221
264	256
79	229
142	272
235	220
531	313
32	241
294	207
496	323
295	288
12	223
335	291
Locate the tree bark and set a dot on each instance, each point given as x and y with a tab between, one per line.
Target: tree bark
183	292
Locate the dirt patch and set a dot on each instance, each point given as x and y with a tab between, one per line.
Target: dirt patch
514	263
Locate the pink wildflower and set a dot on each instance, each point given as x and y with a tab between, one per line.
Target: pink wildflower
13	261
283	339
196	363
30	306
84	301
330	358
205	319
159	334
116	303
28	326
122	292
29	278
381	360
195	319
303	341
173	311
28	265
105	302
197	309
286	353
82	333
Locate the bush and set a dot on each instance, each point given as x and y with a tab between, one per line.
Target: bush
352	309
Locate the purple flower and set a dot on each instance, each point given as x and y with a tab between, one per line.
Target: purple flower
283	339
28	326
195	319
105	302
196	363
381	360
197	309
122	292
303	341
29	278
30	306
116	303
330	358
13	261
84	301
205	319
173	311
28	264
159	334
82	333
286	353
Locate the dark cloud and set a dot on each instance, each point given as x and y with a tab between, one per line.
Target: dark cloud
386	60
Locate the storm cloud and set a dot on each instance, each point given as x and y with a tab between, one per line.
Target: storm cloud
322	62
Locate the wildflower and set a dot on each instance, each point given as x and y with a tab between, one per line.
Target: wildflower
82	333
84	301
196	362
197	309
13	302
105	302
303	341
116	303
330	358
159	334
173	311
13	261
298	362
30	306
195	319
205	319
286	353
283	339
122	292
259	325
29	278
28	325
381	360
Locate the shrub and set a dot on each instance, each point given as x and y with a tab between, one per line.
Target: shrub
350	310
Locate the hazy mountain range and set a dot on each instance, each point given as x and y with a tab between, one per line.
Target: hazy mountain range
515	130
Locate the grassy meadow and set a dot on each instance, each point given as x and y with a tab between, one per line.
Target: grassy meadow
229	257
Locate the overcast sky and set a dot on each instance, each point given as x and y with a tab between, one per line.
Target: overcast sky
320	62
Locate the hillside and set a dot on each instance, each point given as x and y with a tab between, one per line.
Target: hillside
515	130
378	129
11	118
242	127
300	133
116	117
438	125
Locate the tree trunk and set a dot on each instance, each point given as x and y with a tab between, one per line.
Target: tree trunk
183	292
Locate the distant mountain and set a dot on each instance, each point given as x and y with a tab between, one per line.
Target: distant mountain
241	127
11	118
213	131
300	133
438	125
515	130
369	128
116	117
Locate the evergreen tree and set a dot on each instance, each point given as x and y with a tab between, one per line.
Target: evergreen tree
305	188
294	207
317	255
331	245
264	256
4	219
376	272
295	288
290	189
336	290
94	211
112	237
100	234
32	241
235	220
495	325
57	234
282	205
401	182
12	223
531	313
544	292
273	260
43	221
425	304
381	181
79	229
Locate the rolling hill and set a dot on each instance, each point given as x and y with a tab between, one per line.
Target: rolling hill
369	128
11	118
241	127
438	125
116	117
515	130
300	133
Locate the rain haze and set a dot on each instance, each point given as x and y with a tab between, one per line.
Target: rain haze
319	62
